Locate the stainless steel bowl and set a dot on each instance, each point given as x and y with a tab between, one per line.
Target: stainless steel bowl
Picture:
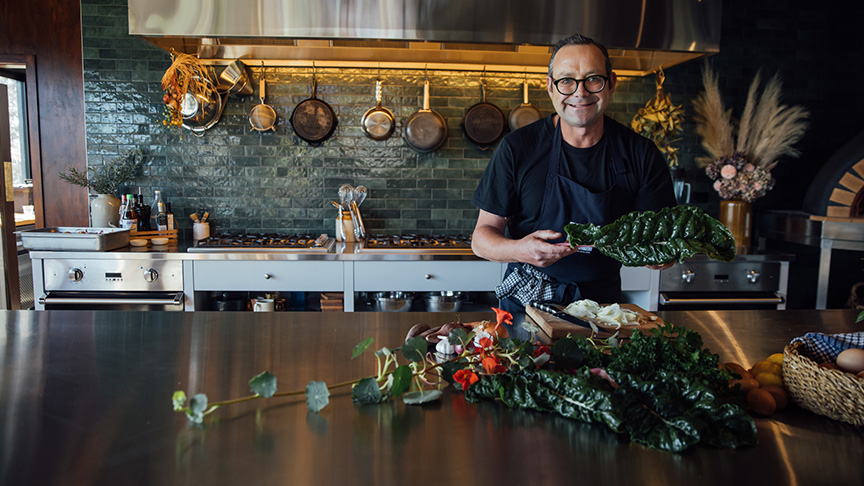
393	301
446	301
235	78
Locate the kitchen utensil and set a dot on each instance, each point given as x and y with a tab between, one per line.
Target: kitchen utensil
425	130
200	230
393	301
74	238
483	123
445	301
236	79
263	116
378	122
346	196
263	305
524	114
201	112
359	197
313	120
557	324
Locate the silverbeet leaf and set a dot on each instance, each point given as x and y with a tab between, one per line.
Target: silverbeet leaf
317	396
655	238
263	384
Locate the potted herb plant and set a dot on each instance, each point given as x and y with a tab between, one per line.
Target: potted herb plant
104	183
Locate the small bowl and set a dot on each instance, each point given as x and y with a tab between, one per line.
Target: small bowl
159	241
138	242
393	301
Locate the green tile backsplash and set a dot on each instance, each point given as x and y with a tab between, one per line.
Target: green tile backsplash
275	181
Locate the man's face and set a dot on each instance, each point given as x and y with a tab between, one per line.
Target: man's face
580	109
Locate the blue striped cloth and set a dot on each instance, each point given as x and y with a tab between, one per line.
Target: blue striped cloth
823	348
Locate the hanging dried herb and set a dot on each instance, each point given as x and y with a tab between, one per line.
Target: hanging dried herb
187	74
661	121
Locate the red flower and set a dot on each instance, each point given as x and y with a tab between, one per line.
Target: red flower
485	342
492	365
503	316
541	350
466	378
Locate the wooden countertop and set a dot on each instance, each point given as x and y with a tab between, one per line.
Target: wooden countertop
86	399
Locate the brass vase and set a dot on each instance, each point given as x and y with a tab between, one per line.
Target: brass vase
737	215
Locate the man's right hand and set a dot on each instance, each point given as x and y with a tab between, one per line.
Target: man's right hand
536	249
489	242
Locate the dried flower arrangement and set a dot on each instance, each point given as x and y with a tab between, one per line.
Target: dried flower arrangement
187	74
660	121
109	177
767	131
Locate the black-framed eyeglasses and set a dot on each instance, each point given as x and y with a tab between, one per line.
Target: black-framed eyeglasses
593	84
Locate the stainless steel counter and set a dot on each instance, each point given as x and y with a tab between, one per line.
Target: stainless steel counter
86	399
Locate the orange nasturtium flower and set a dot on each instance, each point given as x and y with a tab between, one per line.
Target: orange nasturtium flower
503	317
466	378
492	365
485	342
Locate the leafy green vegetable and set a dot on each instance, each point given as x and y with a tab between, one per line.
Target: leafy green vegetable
421	397
401	380
414	349
361	346
263	384
366	392
648	238
670	392
317	396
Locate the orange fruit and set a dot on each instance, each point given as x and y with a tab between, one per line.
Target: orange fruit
761	402
765	365
766	378
776	358
779	394
737	368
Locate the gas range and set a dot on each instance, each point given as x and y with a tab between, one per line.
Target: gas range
379	243
258	242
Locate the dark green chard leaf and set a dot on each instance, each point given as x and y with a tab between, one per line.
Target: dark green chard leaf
648	238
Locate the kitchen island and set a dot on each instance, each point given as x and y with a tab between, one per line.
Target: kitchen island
86	399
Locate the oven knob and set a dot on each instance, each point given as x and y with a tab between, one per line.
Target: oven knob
151	275
687	276
76	275
753	276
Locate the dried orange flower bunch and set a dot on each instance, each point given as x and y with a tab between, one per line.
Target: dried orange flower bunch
187	74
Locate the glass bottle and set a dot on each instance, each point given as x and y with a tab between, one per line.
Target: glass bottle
143	214
161	217
170	215
130	218
154	208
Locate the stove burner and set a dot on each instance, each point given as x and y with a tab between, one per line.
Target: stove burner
263	241
418	241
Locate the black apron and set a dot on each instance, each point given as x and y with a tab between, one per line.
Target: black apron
581	276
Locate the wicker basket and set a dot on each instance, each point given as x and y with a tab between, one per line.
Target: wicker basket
832	393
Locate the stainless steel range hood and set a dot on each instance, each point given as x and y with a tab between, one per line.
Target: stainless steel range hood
495	35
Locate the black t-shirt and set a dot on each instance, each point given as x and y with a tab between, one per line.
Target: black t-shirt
513	184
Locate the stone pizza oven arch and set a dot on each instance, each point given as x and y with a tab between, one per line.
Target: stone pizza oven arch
837	191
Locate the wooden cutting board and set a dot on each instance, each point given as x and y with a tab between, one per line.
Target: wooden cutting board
557	328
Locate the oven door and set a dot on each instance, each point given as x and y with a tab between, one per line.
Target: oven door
702	284
720	300
137	301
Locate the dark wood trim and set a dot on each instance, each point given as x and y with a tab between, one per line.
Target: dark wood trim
7	210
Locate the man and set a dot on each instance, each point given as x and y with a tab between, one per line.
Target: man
575	166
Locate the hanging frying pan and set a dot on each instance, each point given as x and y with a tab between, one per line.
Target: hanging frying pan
378	122
313	120
483	124
426	130
524	114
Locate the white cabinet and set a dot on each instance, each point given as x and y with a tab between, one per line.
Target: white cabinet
427	275
275	276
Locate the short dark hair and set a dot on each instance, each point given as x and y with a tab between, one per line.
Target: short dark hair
580	40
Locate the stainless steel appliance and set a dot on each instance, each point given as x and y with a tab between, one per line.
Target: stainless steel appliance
457	244
263	242
112	284
744	283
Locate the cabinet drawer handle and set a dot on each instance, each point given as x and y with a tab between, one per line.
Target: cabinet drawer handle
267	276
428	276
